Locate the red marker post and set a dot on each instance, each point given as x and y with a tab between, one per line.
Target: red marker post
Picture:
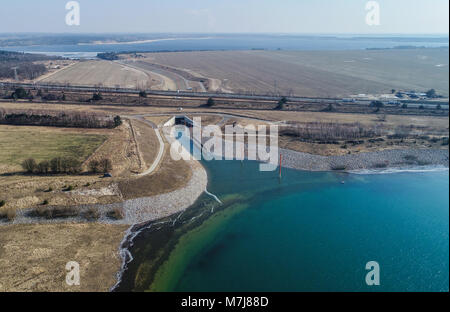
281	162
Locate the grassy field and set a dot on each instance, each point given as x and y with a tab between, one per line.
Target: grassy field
33	257
104	73
317	73
44	143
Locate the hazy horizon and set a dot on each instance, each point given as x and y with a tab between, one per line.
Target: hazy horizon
344	17
227	33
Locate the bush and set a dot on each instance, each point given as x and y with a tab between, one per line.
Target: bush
281	103
116	214
9	214
117	121
431	93
2	203
55	212
92	214
65	165
94	166
68	188
105	165
210	102
142	94
29	165
43	167
329	108
45	202
20	93
97	97
71	165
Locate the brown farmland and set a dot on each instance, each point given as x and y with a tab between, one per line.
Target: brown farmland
315	74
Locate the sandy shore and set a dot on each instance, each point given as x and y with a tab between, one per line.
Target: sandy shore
373	160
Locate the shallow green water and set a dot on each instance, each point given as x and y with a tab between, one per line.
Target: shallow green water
305	232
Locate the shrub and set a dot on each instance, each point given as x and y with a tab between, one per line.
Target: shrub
116	214
142	94
281	103
2	203
329	108
29	165
43	167
97	97
20	93
92	214
117	121
71	165
431	93
9	214
68	188
210	102
105	165
65	165
45	202
55	212
55	164
94	166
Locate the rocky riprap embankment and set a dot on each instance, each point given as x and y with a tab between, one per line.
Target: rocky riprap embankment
144	209
371	160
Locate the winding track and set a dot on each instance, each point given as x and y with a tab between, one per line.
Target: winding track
158	158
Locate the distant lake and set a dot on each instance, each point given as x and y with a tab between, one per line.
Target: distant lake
241	42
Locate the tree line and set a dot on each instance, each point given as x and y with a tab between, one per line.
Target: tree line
65	165
322	131
23	62
63	119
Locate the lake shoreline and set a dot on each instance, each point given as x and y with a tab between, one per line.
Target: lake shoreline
354	164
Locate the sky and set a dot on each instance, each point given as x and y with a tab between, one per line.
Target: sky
227	16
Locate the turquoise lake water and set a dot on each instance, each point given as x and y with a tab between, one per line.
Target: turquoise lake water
310	232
